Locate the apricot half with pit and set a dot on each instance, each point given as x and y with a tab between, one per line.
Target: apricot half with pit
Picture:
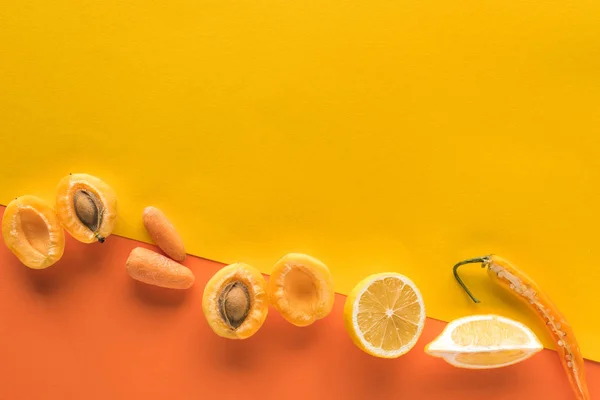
32	231
86	207
235	301
301	289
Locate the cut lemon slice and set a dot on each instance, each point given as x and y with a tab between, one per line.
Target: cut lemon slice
384	315
484	342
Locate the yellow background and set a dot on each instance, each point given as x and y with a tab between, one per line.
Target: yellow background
375	135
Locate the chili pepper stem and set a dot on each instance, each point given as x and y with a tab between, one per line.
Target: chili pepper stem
483	260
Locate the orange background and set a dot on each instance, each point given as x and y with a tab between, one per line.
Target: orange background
83	329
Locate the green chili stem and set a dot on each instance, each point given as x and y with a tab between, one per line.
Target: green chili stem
483	260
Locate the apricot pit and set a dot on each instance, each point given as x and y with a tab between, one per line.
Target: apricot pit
234	304
32	231
235	301
86	207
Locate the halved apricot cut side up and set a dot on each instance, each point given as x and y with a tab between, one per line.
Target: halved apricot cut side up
301	289
235	301
33	232
86	207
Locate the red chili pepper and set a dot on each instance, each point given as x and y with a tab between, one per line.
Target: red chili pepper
516	282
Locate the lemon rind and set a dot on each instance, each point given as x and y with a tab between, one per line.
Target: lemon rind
444	347
421	323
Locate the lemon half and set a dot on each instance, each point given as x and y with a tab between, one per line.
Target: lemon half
384	315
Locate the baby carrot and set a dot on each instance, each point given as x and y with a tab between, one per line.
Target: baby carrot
155	269
516	282
163	233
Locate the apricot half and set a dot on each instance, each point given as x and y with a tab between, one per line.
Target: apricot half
235	301
86	207
301	289
33	232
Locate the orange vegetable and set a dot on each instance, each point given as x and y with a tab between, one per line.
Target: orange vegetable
163	233
155	269
516	282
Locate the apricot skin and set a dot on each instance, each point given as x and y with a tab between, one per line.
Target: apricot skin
163	233
148	266
259	304
67	215
20	239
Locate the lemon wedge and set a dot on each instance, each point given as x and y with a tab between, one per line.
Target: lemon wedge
484	342
384	315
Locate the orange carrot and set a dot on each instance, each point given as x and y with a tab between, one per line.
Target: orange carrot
163	233
155	269
516	282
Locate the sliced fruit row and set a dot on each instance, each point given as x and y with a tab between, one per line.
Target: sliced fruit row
33	230
384	314
86	207
236	298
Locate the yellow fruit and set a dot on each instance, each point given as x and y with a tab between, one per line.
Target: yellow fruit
385	315
32	231
235	301
301	289
484	342
86	207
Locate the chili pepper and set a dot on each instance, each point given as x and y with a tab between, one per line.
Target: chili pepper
516	282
